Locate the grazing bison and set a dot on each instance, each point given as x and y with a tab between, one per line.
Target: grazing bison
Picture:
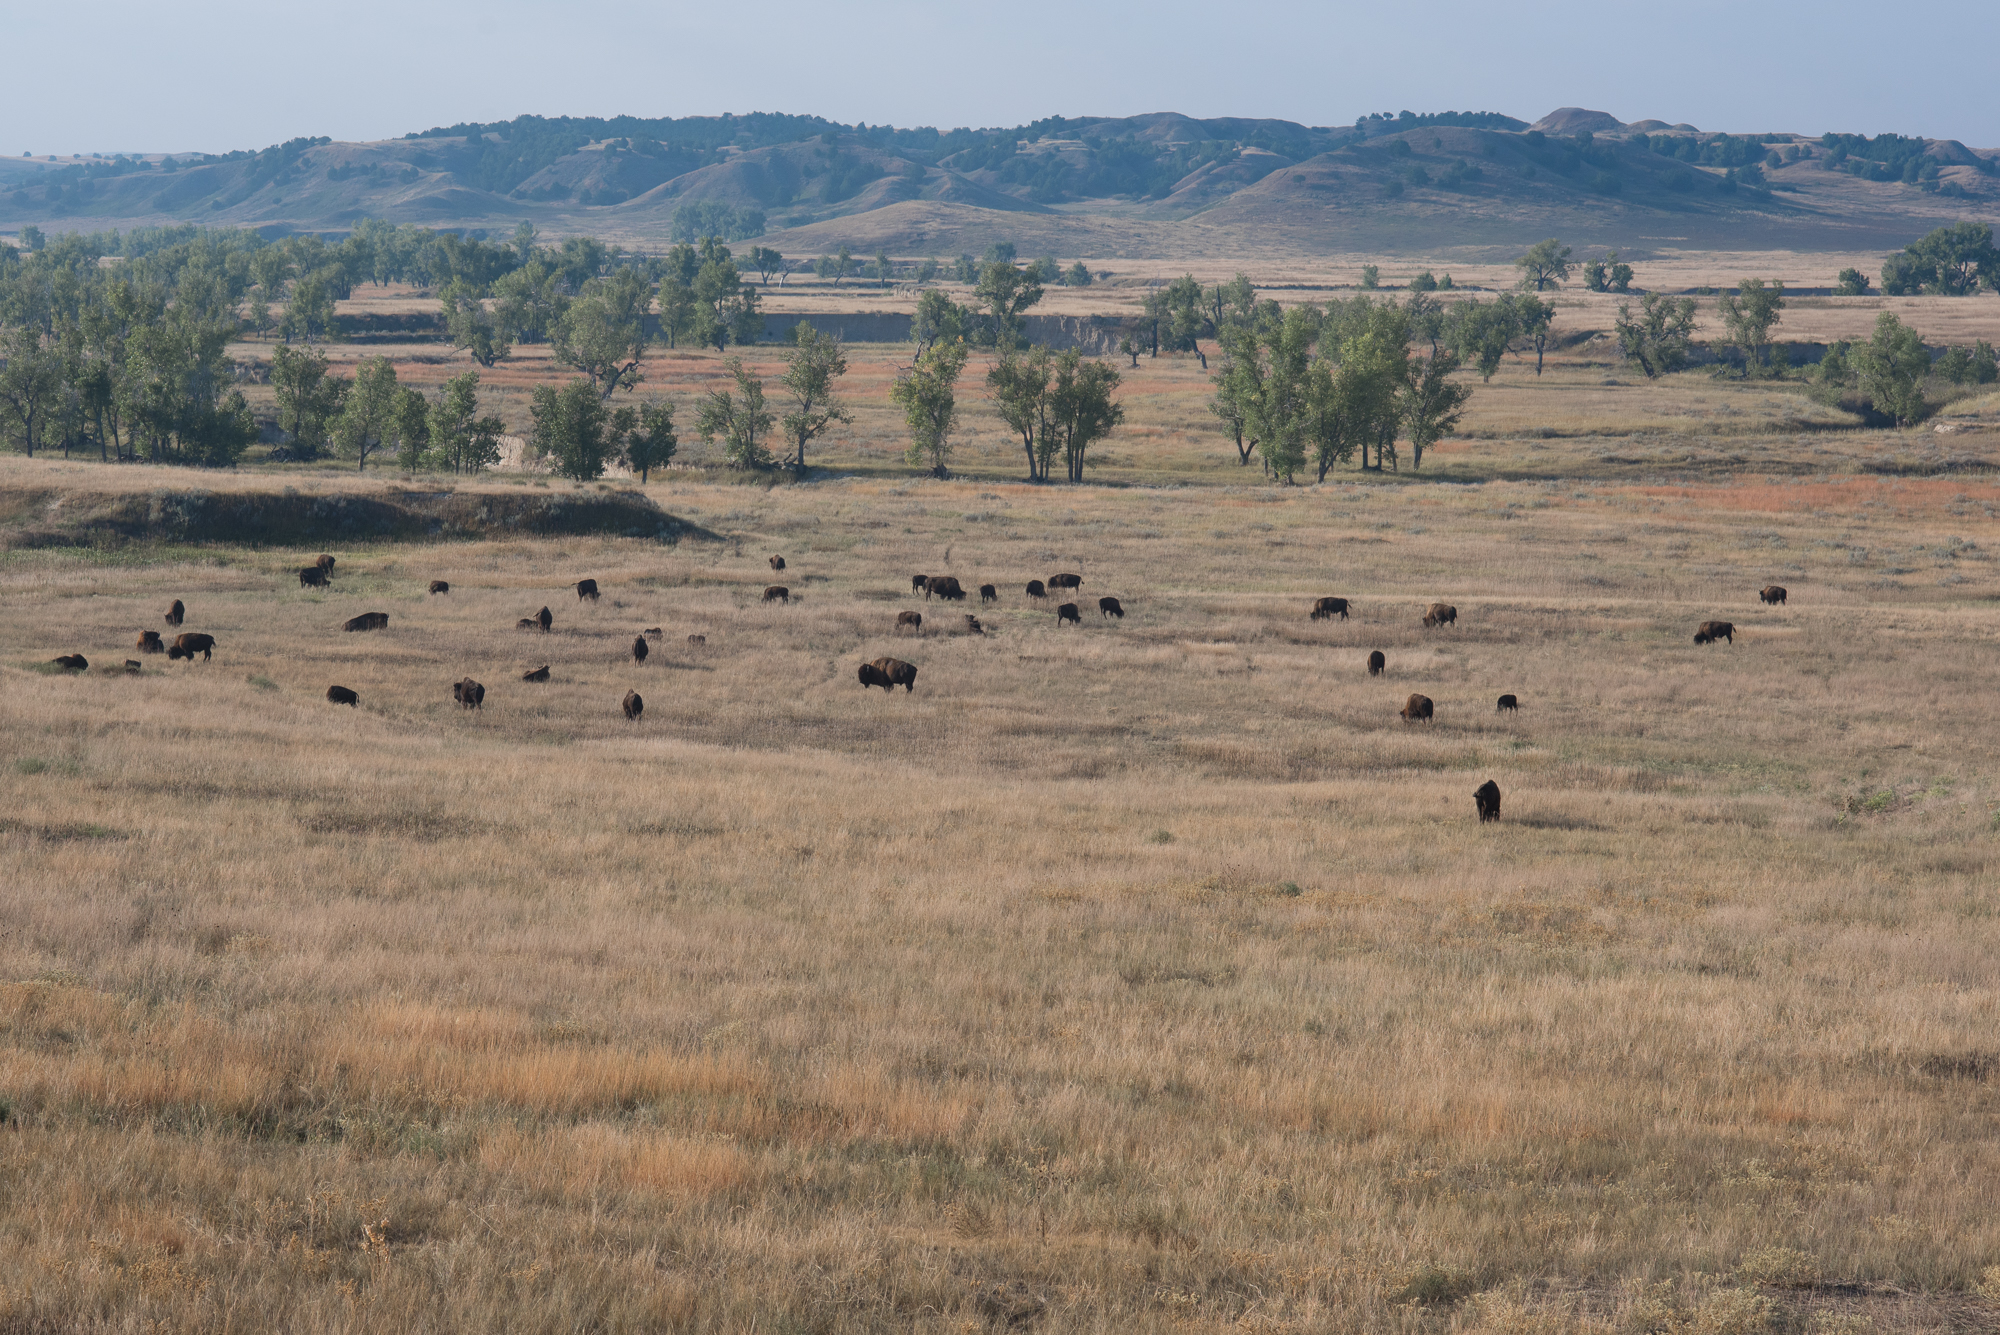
640	649
149	642
945	587
697	641
635	705
340	695
1068	612
1774	594
1418	707
873	676
132	665
777	593
1487	798
1711	631
176	613
539	674
1330	607
544	619
988	594
368	621
71	662
1441	614
469	693
889	673
325	563
777	563
190	643
1376	663
312	577
1110	607
586	588
1035	589
917	583
527	623
654	632
972	625
440	586
1507	702
914	620
1065	581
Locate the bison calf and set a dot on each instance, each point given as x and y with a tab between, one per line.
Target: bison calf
312	577
149	642
539	674
1711	631
988	594
368	621
1376	663
1487	798
1774	594
340	695
914	620
1508	702
777	593
640	649
176	613
1068	612
189	644
1441	614
1418	707
889	673
440	586
634	705
917	583
1035	589
586	588
71	662
777	563
1110	607
1330	607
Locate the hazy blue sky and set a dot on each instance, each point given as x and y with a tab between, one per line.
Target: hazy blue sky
126	75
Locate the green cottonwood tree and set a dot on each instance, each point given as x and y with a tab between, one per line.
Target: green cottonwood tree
367	418
603	333
473	328
1545	265
1663	335
742	423
926	394
815	361
649	437
1081	412
1431	403
1007	292
460	439
1890	369
1747	317
571	429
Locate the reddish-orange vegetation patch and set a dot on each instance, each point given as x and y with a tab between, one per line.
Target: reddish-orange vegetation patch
1908	495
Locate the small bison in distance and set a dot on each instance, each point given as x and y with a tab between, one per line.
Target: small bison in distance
1068	612
1065	581
945	587
71	662
1773	595
777	593
368	621
312	577
586	588
697	641
1711	631
914	620
1507	702
1418	708
1330	607
889	673
1110	607
190	643
176	613
440	586
325	563
1376	663
640	649
988	594
1441	614
1487	798
634	705
340	695
539	674
149	642
1035	589
469	693
777	563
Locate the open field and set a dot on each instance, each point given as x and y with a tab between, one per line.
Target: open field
1145	975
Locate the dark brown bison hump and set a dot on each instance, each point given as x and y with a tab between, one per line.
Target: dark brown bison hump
340	695
1376	662
1486	798
634	705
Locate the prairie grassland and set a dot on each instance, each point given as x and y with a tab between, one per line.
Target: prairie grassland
1147	975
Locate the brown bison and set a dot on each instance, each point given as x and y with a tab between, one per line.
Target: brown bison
1418	707
71	662
1065	581
368	621
777	593
1068	612
586	588
988	594
190	643
440	586
777	563
1441	614
325	563
1507	702
1035	589
312	577
917	583
176	613
640	649
1711	631
527	623
945	587
654	632
1487	798
545	619
1376	663
635	705
133	665
972	625
539	674
697	641
340	695
149	642
914	620
469	693
1110	607
889	673
1330	607
1774	594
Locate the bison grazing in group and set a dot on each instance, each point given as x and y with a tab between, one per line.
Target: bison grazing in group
368	621
440	586
914	620
586	588
640	649
1376	663
340	695
972	626
149	642
777	593
1487	798
945	587
176	613
988	594
189	644
889	673
635	705
1441	614
132	665
1110	607
469	693
539	674
697	641
1711	631
1330	607
1065	581
71	662
1507	702
1035	589
917	583
777	563
312	577
544	619
1068	612
1774	594
325	563
1418	707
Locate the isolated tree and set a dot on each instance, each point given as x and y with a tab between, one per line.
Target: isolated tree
1890	369
1020	385
1747	317
1007	292
1950	262
472	327
367	420
1081	411
1851	283
1431	403
1663	335
926	395
603	333
811	367
460	439
649	438
1545	265
740	422
571	429
939	319
1077	275
1533	321
766	262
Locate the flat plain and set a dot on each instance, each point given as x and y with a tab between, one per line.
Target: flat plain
1148	974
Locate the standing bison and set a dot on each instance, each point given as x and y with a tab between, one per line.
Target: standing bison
440	586
1711	631
544	619
1487	798
1441	614
1507	702
988	594
190	643
777	593
1418	708
945	587
1068	612
1065	581
340	695
539	674
176	613
917	583
640	649
325	563
1035	589
1774	594
914	620
368	621
634	706
149	642
889	673
586	588
312	577
1376	663
1110	607
71	662
777	563
1330	607
469	693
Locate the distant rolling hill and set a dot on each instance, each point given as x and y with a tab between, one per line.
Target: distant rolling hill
1163	184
